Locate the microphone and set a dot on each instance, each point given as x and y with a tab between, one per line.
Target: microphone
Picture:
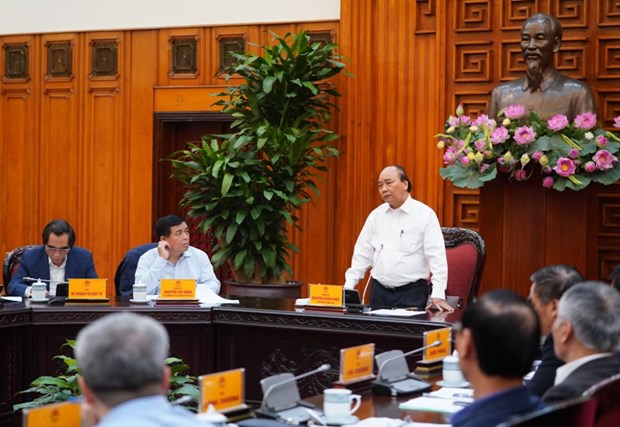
399	380
436	343
272	387
286	405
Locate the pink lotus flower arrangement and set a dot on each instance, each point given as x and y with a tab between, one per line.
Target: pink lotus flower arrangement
563	154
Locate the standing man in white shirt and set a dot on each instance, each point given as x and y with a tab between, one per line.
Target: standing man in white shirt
174	258
402	242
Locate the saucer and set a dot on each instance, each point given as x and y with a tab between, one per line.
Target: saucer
464	384
45	300
342	421
139	301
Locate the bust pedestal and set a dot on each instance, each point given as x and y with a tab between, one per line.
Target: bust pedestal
526	226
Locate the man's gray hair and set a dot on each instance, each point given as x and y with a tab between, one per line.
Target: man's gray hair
122	356
593	308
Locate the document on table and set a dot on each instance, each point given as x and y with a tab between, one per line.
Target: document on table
208	298
433	404
465	395
401	312
14	299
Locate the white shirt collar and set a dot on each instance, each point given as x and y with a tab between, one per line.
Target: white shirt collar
52	265
565	370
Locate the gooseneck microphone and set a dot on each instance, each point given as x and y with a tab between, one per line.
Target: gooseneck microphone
272	387
436	343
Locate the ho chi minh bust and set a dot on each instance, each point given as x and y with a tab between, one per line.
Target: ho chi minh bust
543	90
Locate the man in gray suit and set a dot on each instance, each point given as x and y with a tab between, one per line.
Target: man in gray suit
586	333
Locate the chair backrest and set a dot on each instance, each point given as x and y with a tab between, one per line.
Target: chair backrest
578	412
466	253
607	395
125	273
11	262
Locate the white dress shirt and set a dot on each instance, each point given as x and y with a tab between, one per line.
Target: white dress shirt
401	245
192	264
57	275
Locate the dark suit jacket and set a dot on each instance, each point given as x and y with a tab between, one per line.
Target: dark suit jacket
35	264
582	379
497	408
125	275
545	373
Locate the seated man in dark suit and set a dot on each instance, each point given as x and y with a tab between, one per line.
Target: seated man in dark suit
586	334
548	285
497	342
56	260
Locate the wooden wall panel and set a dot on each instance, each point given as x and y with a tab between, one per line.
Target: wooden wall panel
390	110
486	36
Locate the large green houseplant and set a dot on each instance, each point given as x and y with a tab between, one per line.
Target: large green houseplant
246	186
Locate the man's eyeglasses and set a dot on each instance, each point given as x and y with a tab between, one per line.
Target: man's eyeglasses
55	249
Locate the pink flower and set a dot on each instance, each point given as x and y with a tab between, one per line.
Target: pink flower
547	182
536	155
449	157
520	175
514	111
585	121
565	167
617	122
480	144
459	144
573	153
604	160
524	135
590	167
484	167
600	140
465	120
557	122
547	170
453	121
499	135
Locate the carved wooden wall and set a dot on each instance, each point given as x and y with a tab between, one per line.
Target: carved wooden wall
77	113
483	50
77	139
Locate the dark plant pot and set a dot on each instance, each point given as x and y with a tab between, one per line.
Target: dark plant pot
289	289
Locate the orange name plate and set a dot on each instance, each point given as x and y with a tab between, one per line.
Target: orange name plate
444	349
356	363
223	390
327	295
177	288
87	288
65	414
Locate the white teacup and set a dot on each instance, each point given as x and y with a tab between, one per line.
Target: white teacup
139	292
452	375
337	404
39	291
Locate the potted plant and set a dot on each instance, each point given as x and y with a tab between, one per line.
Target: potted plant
246	187
53	389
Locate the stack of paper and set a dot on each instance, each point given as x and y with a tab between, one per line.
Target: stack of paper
401	312
446	400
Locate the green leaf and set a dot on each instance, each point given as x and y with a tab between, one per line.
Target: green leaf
226	183
268	83
230	232
240	217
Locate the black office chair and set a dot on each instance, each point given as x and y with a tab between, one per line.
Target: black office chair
126	271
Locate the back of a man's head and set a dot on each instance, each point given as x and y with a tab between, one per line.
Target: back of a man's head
505	333
552	281
122	356
593	308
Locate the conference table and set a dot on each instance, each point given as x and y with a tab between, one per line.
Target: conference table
263	335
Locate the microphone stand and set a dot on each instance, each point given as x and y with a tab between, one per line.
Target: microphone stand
281	409
401	380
